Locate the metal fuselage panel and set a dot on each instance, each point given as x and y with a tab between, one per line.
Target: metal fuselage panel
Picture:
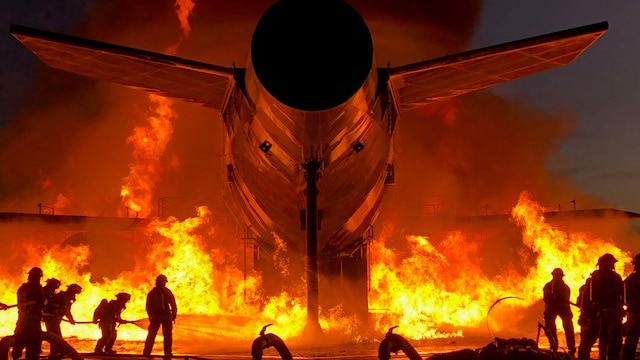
270	185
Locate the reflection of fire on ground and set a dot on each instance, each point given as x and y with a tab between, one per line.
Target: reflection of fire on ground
433	291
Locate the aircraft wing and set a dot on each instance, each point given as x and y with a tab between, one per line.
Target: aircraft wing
421	83
156	73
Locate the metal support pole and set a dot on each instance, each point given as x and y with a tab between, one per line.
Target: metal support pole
311	175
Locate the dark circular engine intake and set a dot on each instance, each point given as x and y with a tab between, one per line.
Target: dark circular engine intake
312	54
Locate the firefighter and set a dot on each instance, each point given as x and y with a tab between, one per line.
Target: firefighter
57	308
49	289
632	300
108	315
606	294
589	327
557	302
162	310
28	333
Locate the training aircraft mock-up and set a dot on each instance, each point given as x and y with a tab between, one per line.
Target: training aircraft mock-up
309	119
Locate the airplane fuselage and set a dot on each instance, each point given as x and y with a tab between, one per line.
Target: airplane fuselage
310	91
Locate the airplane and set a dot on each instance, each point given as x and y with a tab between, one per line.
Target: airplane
309	119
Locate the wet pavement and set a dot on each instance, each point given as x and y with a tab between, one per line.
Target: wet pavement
240	350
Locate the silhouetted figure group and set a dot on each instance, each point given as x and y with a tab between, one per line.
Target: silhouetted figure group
162	311
37	303
601	299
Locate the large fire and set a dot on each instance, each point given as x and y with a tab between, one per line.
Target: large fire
437	291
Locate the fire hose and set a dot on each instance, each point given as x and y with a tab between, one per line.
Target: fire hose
493	305
7	307
392	343
142	323
553	340
9	341
267	340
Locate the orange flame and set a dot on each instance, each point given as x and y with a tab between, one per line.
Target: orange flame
437	291
440	291
183	10
280	259
215	299
149	143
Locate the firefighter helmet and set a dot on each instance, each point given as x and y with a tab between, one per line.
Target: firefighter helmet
35	272
54	282
74	288
557	272
123	296
607	259
161	279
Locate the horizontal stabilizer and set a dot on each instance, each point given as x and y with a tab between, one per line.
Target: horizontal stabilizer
156	73
421	83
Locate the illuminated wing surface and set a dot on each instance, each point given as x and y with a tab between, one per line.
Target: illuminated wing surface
421	83
156	73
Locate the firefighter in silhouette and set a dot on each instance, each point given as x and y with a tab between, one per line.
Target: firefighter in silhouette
49	289
162	310
108	315
589	327
57	308
557	302
632	300
607	297
28	333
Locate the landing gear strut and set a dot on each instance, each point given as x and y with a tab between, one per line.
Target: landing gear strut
311	175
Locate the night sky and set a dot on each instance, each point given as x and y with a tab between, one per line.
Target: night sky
599	92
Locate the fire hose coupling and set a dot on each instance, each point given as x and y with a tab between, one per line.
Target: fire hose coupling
390	331
268	340
392	343
264	328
